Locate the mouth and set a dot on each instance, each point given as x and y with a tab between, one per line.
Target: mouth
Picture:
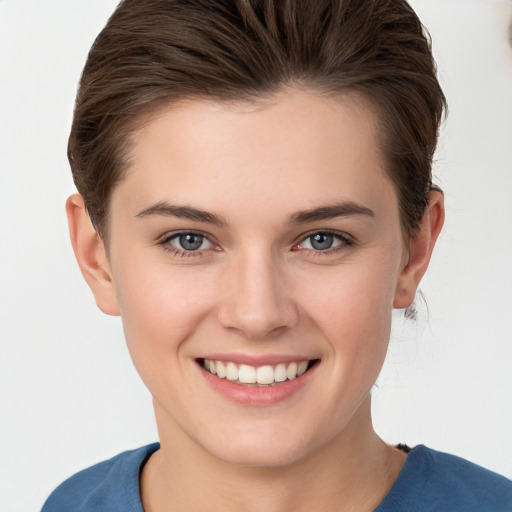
257	376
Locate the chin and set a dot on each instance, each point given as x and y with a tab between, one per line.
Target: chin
264	455
268	448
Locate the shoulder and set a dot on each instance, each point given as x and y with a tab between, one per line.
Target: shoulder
107	486
436	481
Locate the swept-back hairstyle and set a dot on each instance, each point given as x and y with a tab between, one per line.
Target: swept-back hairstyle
155	52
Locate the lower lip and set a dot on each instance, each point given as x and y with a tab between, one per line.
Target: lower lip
254	395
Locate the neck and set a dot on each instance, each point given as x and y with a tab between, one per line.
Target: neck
352	472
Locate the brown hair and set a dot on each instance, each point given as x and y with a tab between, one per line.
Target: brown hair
154	52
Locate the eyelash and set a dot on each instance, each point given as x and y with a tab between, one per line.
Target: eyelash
181	253
344	241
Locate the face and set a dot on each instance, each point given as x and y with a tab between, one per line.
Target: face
258	243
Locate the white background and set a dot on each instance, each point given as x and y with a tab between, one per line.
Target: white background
69	395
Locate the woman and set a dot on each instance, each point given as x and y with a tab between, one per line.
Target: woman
255	198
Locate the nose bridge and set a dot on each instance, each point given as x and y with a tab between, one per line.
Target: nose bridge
258	302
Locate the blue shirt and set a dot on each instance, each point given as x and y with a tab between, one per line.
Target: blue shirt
429	481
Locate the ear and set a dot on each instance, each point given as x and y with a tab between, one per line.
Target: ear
421	246
91	255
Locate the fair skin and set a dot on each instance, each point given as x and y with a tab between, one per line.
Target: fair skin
295	254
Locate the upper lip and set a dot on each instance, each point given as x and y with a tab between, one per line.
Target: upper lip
258	360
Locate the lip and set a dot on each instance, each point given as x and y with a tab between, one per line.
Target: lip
252	394
260	360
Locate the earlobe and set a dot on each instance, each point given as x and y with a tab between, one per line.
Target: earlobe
91	256
421	246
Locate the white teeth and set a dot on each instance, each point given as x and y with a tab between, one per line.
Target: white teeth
280	373
301	368
291	371
221	369
263	375
247	374
231	371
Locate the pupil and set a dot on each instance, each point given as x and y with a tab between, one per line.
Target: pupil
321	241
191	242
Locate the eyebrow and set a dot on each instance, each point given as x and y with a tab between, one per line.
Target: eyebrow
344	209
183	212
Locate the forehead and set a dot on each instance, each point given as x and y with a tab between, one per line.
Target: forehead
293	149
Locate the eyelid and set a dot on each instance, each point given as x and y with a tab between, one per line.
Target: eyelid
165	242
203	239
345	238
173	234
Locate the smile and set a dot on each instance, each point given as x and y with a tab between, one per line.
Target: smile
267	375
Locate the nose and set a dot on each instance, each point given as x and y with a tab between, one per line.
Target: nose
258	303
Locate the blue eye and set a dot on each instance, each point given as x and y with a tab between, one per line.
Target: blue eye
323	241
190	242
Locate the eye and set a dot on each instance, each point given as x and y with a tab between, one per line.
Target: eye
323	241
189	242
320	242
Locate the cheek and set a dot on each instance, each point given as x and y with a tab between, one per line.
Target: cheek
358	297
160	309
353	311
